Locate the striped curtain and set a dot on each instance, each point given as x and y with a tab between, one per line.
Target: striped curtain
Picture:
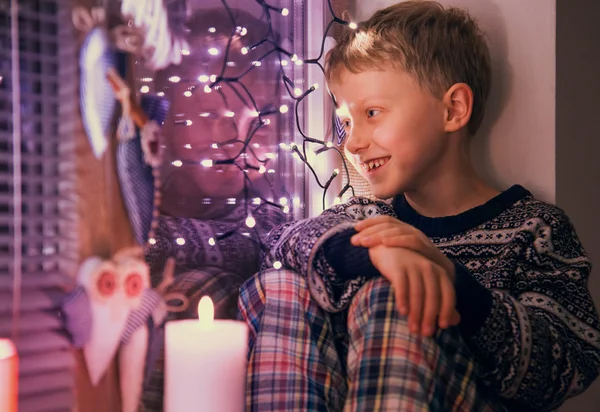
38	248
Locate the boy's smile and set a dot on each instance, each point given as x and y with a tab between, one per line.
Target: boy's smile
395	129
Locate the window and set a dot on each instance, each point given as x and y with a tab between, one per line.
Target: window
36	239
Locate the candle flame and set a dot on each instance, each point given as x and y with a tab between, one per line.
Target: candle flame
7	349
206	312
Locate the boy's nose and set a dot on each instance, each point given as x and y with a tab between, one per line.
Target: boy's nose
356	141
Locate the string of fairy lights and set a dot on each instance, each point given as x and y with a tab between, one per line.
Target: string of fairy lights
216	83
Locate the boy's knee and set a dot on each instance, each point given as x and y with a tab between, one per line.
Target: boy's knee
275	284
375	295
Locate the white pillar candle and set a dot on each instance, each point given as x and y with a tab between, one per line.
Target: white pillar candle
205	363
9	376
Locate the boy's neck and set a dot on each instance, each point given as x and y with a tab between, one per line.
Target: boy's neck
454	189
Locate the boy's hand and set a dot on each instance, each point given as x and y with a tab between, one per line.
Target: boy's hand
385	230
422	288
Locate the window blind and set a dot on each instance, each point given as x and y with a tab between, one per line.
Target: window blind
38	247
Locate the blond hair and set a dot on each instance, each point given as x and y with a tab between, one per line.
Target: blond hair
438	46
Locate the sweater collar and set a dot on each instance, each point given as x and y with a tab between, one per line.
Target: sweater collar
451	225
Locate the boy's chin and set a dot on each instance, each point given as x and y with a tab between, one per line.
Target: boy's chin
382	193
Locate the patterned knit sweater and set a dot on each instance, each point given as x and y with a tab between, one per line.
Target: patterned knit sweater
521	285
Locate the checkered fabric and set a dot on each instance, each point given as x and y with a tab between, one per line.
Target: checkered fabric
362	359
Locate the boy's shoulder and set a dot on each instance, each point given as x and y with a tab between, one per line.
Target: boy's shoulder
530	208
360	208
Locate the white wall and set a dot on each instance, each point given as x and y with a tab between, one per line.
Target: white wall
541	128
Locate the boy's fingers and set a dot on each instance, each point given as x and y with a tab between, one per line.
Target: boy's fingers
447	303
363	224
400	285
455	318
431	306
415	297
375	237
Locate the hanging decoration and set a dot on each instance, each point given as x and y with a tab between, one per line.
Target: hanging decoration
114	312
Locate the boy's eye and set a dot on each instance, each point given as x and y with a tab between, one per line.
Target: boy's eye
373	112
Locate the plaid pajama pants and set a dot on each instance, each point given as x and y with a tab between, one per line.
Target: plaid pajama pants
363	359
223	288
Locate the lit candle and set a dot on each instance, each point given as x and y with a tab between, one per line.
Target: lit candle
205	363
9	376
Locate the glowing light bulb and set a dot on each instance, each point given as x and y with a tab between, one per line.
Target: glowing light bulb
315	86
285	12
244	50
229	113
180	241
266	122
203	78
283	108
256	145
256	201
144	89
270	155
213	78
271	171
213	51
187	93
277	264
286	209
294	57
211	241
207	163
188	146
336	171
296	201
177	163
297	91
353	26
284	62
188	122
174	79
299	62
254	113
329	144
257	63
206	313
185	52
212	30
160	94
250	221
283	201
204	114
207	89
284	146
293	146
262	169
152	241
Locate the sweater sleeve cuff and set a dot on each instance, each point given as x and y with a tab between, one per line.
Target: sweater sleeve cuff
473	301
348	261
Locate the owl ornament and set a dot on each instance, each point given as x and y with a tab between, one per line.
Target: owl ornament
113	312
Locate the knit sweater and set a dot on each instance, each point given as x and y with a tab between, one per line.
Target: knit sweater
521	285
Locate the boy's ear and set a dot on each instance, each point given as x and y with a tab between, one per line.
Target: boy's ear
458	105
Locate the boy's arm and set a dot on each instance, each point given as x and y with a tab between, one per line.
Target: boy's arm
300	246
540	346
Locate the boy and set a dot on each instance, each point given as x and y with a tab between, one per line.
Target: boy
452	297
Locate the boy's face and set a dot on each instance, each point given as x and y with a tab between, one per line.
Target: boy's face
391	121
